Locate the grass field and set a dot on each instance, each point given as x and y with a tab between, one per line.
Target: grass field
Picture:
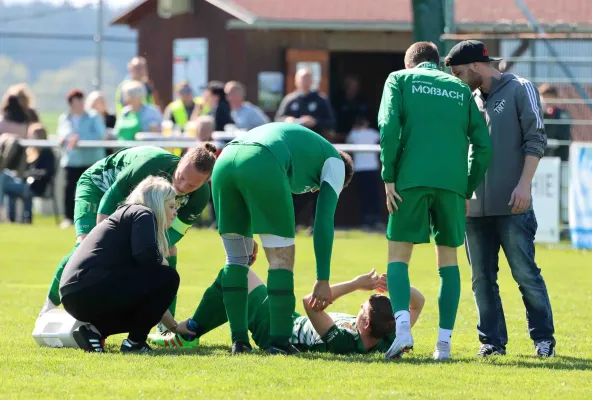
29	255
50	121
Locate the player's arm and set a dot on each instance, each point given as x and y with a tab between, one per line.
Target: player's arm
480	155
320	320
332	180
126	180
188	214
389	122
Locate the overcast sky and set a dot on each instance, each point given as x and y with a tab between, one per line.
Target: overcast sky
77	3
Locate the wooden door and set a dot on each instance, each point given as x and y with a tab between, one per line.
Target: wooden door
316	60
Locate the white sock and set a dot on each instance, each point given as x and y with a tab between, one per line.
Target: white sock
445	336
402	319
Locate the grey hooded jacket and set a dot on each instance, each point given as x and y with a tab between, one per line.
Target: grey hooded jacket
514	117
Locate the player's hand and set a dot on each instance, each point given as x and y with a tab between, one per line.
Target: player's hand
382	286
255	251
369	281
391	197
183	330
321	296
520	199
290	120
308	121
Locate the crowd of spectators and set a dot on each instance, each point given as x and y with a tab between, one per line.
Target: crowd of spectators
220	107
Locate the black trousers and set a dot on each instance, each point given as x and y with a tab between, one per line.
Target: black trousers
133	300
72	176
368	185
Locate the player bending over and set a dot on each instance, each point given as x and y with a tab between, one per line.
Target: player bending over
107	183
252	186
427	120
371	330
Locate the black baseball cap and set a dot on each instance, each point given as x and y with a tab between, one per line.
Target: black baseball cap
467	52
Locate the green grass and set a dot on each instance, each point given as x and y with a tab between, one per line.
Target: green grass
50	121
29	255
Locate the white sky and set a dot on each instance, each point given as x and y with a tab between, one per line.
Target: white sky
76	3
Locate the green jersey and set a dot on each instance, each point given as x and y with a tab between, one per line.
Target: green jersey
342	338
427	120
117	175
310	163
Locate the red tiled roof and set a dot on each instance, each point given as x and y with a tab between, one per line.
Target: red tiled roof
548	12
466	11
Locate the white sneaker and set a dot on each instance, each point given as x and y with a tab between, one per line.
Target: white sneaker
402	344
442	351
66	224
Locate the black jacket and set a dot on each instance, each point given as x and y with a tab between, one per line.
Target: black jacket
125	240
297	105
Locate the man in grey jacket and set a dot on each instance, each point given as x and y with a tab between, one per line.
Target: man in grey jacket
500	213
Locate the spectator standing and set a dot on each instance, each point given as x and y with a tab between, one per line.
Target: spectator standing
500	213
137	69
215	100
40	171
180	110
14	117
136	116
27	101
96	101
74	125
306	106
560	131
246	116
367	173
348	106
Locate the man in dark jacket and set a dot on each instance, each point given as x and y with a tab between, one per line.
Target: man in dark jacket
561	130
500	213
306	106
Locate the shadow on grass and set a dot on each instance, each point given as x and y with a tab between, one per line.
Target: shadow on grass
557	363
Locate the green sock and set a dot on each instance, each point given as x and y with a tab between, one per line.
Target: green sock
210	312
397	279
234	286
282	302
259	316
172	260
449	295
54	289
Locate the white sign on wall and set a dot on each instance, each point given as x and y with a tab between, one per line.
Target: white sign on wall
545	198
190	63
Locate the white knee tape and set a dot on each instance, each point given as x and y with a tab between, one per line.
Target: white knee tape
273	241
239	249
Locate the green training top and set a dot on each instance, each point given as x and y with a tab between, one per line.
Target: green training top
311	163
117	175
342	338
427	120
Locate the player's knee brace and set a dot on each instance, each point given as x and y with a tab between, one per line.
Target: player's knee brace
239	249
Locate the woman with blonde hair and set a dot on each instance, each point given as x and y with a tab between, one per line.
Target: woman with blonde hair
118	279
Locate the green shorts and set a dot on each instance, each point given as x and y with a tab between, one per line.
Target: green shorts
422	209
86	203
251	193
258	305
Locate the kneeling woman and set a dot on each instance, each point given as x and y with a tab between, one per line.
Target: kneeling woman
118	279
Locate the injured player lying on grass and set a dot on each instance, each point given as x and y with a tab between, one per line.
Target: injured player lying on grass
371	330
